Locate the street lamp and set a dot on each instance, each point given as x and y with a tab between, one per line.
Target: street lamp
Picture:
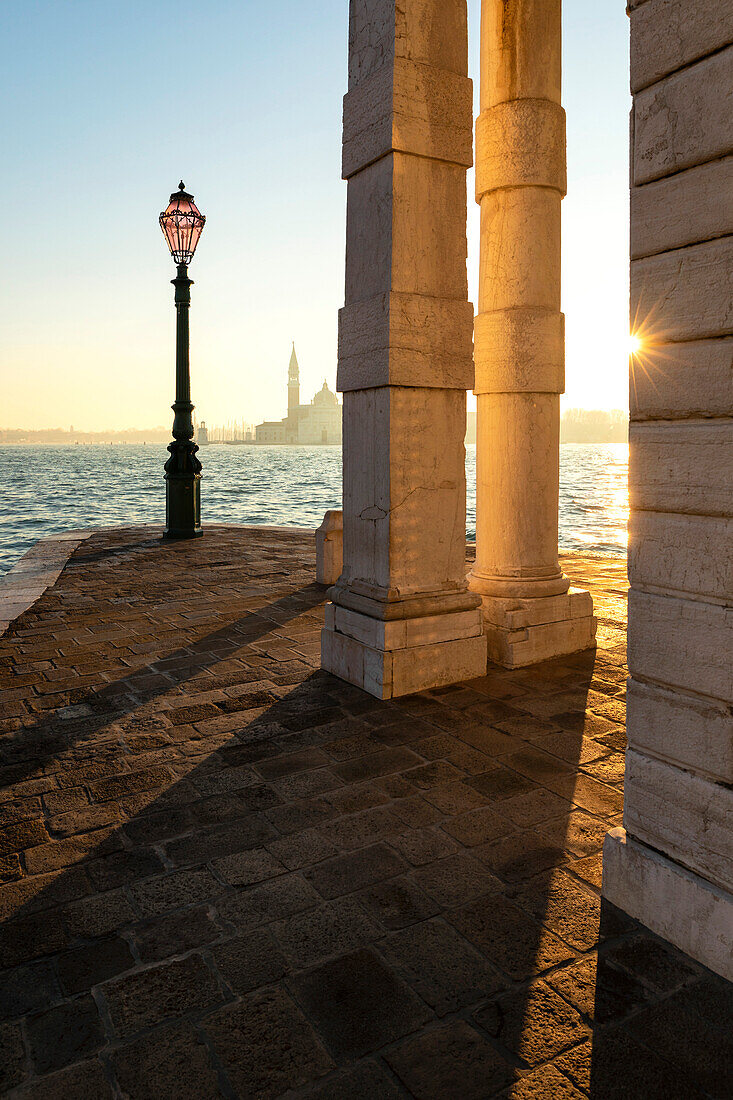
182	223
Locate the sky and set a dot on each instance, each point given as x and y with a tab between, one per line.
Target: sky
108	105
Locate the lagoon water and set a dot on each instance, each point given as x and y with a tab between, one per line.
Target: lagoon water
48	489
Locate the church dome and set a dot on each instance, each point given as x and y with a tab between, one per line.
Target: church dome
325	397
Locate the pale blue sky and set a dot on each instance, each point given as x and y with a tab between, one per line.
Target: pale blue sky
107	104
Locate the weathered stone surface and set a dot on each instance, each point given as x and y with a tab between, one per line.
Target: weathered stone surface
282	1050
64	1034
682	643
452	1061
682	210
440	966
685	119
357	1004
678	905
681	553
684	294
697	379
330	547
535	1024
676	468
151	996
408	108
682	815
157	1065
668	34
681	729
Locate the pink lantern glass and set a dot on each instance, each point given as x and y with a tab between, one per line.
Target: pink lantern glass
182	223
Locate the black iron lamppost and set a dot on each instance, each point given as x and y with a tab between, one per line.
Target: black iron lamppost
182	223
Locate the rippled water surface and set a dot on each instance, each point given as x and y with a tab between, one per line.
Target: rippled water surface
56	488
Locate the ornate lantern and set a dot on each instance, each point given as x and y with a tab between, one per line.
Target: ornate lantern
182	223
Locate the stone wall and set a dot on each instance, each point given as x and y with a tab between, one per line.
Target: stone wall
678	798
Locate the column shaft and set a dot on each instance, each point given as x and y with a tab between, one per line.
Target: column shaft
401	617
519	338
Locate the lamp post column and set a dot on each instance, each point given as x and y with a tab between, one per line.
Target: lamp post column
529	611
183	469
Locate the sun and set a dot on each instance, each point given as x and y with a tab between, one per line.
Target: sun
635	344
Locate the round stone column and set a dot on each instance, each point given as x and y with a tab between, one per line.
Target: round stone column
530	613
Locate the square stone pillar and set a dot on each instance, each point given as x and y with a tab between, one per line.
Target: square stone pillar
671	866
530	612
401	617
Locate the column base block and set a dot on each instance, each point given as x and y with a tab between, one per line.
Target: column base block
522	632
677	904
390	659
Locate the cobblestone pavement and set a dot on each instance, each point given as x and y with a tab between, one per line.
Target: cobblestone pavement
226	873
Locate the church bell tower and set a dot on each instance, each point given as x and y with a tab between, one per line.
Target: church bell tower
293	383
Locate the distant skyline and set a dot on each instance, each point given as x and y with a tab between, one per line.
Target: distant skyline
112	105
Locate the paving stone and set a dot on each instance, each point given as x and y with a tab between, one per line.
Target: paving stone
301	849
440	966
245	868
452	1061
415	812
571	911
12	1057
535	1024
282	1051
156	1065
615	1067
122	868
357	1004
510	940
358	830
84	967
64	1034
348	873
28	938
378	763
436	774
249	832
173	891
397	903
477	827
84	1081
701	1049
455	798
711	997
533	807
151	996
455	880
499	783
249	961
600	991
174	933
300	815
272	901
519	856
576	832
367	1081
423	845
589	869
26	989
10	868
275	767
661	968
338	926
546	1083
22	834
150	828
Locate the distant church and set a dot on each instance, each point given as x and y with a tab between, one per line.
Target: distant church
317	423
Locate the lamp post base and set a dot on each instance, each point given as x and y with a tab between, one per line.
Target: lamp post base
183	492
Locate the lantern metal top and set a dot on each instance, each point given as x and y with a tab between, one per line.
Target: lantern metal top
182	224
